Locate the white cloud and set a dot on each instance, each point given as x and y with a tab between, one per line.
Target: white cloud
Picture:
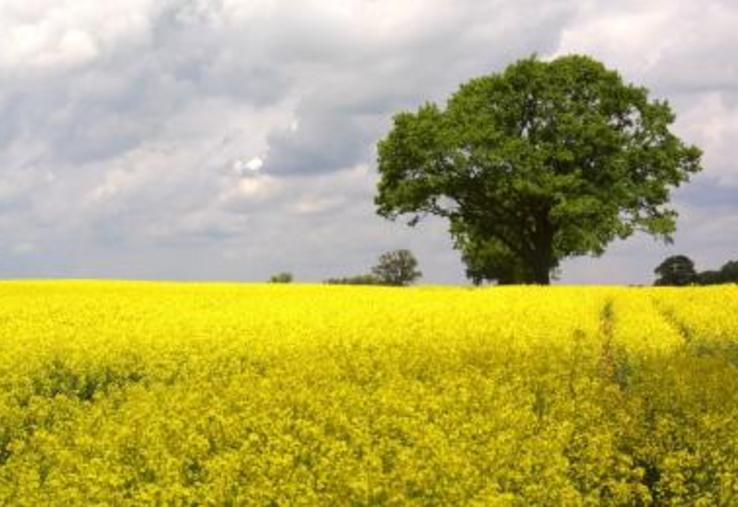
633	37
253	165
712	124
54	34
256	188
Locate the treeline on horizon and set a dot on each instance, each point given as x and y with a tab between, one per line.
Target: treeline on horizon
679	270
399	268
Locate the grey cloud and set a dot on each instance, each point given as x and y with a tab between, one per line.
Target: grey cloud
350	101
322	143
706	193
126	98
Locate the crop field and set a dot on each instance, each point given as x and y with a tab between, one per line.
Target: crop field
230	394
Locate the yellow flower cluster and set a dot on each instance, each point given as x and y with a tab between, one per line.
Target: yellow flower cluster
225	394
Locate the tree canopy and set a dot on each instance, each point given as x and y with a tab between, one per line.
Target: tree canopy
366	279
676	270
540	162
283	277
680	270
398	267
729	272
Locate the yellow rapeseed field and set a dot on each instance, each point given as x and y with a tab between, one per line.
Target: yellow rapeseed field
230	394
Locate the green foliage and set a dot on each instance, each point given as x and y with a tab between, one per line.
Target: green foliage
490	260
354	280
729	272
398	267
676	270
283	277
709	277
679	270
543	161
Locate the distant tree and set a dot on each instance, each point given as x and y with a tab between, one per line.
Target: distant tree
542	161
398	267
676	270
354	280
709	278
284	277
729	272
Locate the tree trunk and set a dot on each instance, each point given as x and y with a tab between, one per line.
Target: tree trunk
538	269
542	273
543	254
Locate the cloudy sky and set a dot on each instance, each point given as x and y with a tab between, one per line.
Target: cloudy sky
230	139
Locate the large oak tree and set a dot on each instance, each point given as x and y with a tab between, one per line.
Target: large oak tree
540	162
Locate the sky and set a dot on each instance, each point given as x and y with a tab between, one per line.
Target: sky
232	139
